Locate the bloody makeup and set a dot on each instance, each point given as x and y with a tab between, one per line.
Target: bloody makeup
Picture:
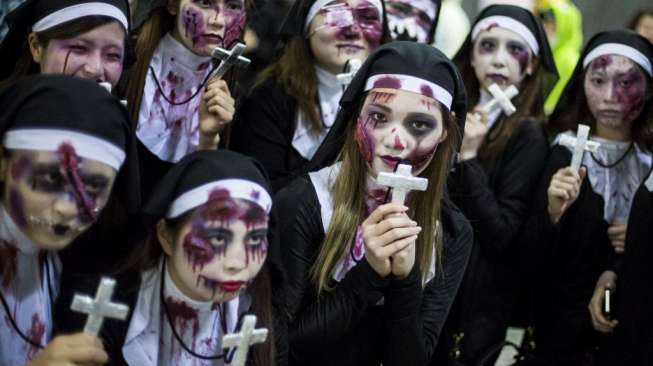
205	24
411	19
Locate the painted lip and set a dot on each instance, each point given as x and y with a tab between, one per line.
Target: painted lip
390	161
498	78
610	113
212	38
226	286
350	46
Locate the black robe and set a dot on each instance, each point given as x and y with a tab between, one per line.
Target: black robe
569	257
346	326
495	197
264	127
632	340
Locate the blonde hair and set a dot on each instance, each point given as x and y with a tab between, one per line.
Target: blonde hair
349	192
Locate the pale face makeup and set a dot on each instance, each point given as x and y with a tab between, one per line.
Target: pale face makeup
219	249
396	125
615	88
54	196
501	57
203	25
411	19
343	30
94	55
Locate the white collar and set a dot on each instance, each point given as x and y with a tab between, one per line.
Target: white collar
170	46
11	233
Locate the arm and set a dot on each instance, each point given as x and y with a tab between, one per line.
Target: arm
497	212
316	322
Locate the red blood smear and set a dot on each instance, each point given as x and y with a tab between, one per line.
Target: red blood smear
192	19
221	207
420	157
35	333
17	208
21	166
255	194
182	317
602	62
234	30
199	252
203	66
256	252
69	166
397	144
387	82
254	216
631	96
8	263
364	141
426	91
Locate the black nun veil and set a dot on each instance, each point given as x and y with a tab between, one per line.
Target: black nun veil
400	57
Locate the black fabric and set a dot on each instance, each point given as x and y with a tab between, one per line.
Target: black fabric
346	326
21	20
400	57
144	9
567	259
569	96
496	199
632	340
263	128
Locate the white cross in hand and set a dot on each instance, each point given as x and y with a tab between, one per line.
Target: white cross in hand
108	87
402	182
100	307
501	97
247	337
228	59
580	144
353	65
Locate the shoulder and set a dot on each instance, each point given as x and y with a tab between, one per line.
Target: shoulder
531	130
458	233
297	198
268	90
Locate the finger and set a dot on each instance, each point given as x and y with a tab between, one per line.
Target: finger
225	102
392	222
377	215
619	250
616	229
87	355
395	235
559	193
224	114
216	83
396	247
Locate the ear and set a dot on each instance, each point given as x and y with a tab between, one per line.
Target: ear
172	7
35	47
165	236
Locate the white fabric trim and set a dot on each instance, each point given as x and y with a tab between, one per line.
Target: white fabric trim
86	146
414	84
79	11
319	4
649	182
622	50
509	24
238	188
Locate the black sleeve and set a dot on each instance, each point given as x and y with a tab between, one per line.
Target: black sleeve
263	128
316	322
497	212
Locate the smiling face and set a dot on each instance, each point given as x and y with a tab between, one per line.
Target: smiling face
202	25
501	57
219	248
54	196
396	125
94	55
615	88
343	30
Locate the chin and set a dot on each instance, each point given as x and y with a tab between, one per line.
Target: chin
48	242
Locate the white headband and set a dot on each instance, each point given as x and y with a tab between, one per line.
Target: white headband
619	49
510	24
319	4
238	188
411	84
86	146
79	11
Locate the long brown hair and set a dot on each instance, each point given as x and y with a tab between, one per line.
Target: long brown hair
25	64
578	112
529	104
349	192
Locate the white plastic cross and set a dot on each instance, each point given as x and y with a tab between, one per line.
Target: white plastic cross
580	144
100	307
501	97
228	58
247	337
107	86
353	65
402	182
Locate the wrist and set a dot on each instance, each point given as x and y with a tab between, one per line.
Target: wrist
208	141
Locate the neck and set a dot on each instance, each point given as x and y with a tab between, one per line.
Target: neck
622	133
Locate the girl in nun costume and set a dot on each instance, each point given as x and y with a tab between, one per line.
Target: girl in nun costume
59	169
413	20
580	220
74	37
208	260
498	168
175	105
630	339
371	282
287	115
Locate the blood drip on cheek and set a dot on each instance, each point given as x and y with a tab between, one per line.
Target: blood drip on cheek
234	30
364	140
20	167
35	334
198	251
8	263
372	34
420	157
182	317
221	207
630	98
193	21
69	166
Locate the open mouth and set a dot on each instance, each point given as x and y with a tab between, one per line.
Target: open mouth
390	161
60	230
498	78
212	38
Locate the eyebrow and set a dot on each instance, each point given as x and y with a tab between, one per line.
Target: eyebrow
385	108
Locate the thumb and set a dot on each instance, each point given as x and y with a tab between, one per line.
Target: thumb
583	173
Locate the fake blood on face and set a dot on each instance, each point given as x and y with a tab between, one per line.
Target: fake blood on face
364	140
69	166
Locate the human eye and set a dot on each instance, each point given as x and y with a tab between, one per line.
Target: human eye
516	48
95	186
203	3
78	48
47	179
219	239
378	117
421	127
487	45
234	5
256	239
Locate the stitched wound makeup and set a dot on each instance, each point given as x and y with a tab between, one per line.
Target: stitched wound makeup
615	88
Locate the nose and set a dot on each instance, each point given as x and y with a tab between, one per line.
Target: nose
236	259
65	207
217	20
352	31
608	93
93	68
395	141
499	58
